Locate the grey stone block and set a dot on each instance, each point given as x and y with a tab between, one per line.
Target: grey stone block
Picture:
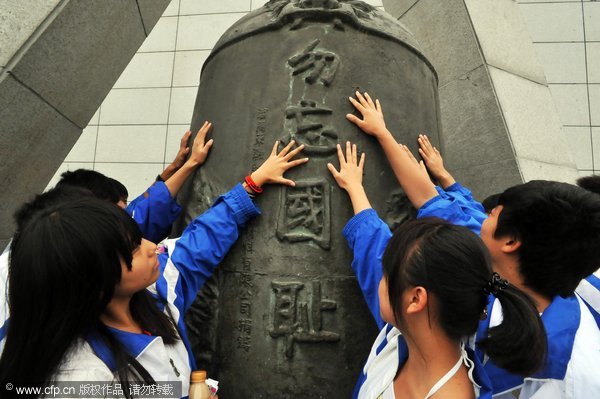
489	178
491	119
531	119
151	10
473	128
33	143
18	20
503	37
398	7
446	36
77	59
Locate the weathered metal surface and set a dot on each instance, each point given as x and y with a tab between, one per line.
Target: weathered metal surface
284	316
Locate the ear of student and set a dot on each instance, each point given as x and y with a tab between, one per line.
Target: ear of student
417	300
511	245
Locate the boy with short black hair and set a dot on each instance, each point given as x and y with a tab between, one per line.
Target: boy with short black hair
543	237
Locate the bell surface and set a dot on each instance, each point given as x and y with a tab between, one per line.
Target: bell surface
284	317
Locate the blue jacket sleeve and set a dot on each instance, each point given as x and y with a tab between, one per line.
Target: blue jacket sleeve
462	194
155	213
367	237
193	257
454	211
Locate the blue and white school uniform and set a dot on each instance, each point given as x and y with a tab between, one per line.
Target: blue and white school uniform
390	352
589	291
189	261
154	214
367	236
3	297
456	206
572	333
154	211
573	360
464	197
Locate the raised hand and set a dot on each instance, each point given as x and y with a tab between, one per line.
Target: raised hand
372	121
350	176
272	170
199	152
201	147
351	168
433	160
183	150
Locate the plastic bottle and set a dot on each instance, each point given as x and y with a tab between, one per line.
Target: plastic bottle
198	387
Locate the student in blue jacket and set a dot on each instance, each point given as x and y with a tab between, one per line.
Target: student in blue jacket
543	237
153	211
91	300
427	292
588	289
156	210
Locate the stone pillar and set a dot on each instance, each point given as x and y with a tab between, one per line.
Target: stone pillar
500	125
284	316
58	60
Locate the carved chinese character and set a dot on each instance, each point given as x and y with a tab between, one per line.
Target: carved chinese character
319	65
245	294
292	318
284	311
245	326
310	128
304	213
244	342
246	308
246	280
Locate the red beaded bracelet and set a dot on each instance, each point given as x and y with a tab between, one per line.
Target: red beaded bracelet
253	186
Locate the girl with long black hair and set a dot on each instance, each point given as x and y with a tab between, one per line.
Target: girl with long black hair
91	300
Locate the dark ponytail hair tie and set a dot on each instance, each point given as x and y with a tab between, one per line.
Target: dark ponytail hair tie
495	284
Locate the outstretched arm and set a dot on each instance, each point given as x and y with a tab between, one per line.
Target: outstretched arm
366	233
199	153
435	163
350	176
179	158
192	258
417	186
272	170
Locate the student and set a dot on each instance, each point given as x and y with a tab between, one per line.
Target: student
431	288
156	209
447	187
101	186
22	216
590	183
589	288
543	237
490	202
91	299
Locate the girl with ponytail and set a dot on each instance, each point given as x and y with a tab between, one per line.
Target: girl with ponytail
542	237
428	288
